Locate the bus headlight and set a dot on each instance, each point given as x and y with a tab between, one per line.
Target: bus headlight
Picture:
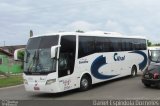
48	82
25	81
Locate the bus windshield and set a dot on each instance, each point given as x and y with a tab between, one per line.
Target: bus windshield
38	55
155	56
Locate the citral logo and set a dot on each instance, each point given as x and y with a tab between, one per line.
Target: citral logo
118	58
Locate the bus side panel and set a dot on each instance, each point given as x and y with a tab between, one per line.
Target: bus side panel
115	65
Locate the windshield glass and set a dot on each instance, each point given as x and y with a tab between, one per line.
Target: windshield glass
155	55
38	55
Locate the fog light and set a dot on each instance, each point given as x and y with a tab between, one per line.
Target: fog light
48	82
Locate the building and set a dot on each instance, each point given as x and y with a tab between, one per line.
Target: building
11	49
7	63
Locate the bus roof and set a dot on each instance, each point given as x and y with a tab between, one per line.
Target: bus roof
93	33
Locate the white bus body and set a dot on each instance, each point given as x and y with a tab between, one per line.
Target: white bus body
78	60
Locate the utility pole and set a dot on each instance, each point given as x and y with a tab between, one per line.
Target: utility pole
31	33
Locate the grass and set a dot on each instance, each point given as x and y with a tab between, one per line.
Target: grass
11	81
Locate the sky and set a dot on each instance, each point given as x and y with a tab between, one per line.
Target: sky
129	17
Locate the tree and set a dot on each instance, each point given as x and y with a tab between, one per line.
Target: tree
157	44
21	57
80	31
149	43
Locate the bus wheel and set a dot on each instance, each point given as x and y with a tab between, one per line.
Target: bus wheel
133	71
85	83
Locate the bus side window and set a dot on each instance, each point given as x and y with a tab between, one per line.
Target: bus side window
106	45
86	46
143	44
123	45
119	42
115	43
99	44
111	46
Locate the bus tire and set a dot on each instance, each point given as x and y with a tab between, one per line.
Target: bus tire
85	83
134	71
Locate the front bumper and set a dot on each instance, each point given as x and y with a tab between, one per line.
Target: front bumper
37	83
31	87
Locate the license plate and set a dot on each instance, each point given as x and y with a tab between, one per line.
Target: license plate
146	76
36	88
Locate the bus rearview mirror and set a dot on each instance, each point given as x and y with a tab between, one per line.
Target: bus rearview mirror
54	50
19	54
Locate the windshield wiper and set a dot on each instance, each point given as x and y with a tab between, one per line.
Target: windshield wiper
37	60
30	67
27	56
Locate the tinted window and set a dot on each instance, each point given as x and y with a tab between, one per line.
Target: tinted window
123	44
42	42
143	45
116	44
90	45
86	46
107	45
68	44
139	44
119	44
99	44
47	42
67	55
33	43
128	44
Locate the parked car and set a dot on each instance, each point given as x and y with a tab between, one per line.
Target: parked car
151	75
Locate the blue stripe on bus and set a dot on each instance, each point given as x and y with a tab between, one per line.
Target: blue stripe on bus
143	64
100	61
97	63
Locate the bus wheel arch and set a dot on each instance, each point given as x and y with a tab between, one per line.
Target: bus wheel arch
134	71
85	82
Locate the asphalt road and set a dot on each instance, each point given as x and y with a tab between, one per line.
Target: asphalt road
123	88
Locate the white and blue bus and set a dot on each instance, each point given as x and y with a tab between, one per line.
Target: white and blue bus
63	61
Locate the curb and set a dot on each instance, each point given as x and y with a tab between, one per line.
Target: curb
11	87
